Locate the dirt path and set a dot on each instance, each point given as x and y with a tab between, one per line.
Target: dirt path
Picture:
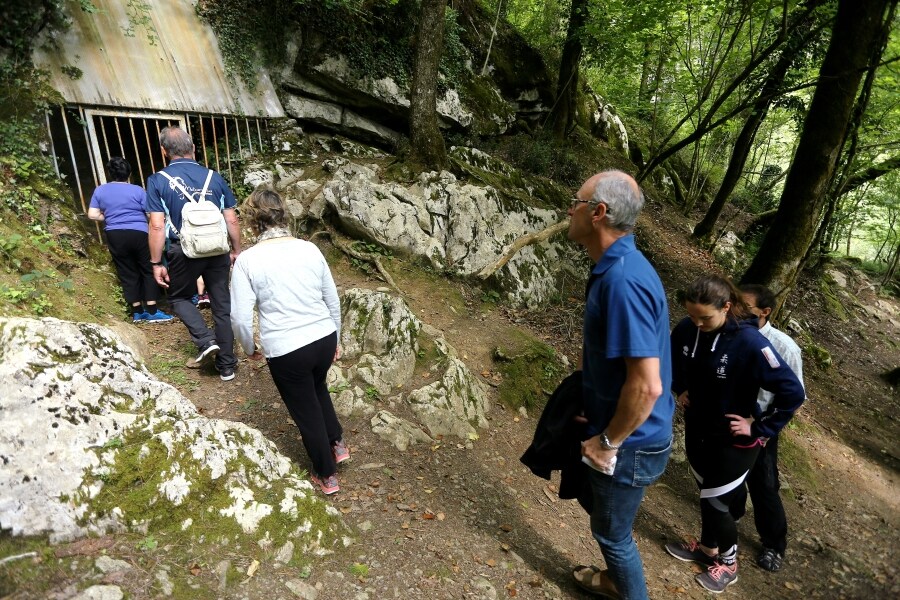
451	521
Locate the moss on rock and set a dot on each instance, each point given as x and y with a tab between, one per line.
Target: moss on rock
530	373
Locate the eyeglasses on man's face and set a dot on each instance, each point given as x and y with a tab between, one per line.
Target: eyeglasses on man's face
577	201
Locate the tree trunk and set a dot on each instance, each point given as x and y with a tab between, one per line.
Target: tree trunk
562	116
857	30
487	55
426	143
677	186
892	266
744	142
848	158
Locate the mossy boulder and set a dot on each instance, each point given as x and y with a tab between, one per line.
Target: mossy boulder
380	333
454	225
92	443
819	355
531	371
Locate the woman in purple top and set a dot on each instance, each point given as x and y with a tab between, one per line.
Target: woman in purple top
120	205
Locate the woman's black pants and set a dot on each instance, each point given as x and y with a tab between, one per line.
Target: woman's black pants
131	256
300	379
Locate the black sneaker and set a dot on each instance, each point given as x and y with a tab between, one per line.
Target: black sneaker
770	560
226	373
207	351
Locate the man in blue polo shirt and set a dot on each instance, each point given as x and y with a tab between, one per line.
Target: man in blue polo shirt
627	376
178	273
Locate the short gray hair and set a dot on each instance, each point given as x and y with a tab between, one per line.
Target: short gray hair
176	141
622	196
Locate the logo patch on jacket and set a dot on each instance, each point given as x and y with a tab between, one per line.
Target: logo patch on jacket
771	358
721	369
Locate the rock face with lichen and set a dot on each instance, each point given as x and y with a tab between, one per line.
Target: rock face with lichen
460	227
380	336
92	443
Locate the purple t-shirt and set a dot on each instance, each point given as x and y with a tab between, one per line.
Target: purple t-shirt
122	205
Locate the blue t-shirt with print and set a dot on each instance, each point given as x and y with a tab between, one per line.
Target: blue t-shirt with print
191	175
122	205
626	316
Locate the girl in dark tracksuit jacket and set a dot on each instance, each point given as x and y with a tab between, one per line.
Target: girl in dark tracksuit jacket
720	361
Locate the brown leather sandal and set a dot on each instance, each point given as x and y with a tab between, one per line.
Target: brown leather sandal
595	581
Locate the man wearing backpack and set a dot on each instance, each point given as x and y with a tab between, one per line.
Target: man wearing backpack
192	224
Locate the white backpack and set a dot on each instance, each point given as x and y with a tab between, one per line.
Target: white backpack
203	230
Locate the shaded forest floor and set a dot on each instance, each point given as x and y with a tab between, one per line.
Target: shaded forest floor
449	522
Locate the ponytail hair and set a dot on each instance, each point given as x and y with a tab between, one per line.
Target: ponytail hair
716	291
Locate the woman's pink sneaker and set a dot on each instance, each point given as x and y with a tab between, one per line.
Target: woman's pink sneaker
328	485
340	451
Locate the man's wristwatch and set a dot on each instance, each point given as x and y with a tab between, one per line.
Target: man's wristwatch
155	264
606	444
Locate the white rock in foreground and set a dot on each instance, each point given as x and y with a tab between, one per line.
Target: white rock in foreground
92	443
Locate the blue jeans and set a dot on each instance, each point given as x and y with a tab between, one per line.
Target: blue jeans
616	500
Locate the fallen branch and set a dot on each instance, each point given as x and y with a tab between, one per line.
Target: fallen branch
365	256
525	240
17	557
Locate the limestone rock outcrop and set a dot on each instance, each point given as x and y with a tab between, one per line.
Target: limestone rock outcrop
380	336
456	226
93	443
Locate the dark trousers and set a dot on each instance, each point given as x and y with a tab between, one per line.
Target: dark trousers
183	274
768	510
719	469
131	256
300	379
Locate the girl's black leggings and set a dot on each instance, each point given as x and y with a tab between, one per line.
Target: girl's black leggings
720	469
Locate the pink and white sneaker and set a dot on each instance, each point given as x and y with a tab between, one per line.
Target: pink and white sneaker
328	485
340	451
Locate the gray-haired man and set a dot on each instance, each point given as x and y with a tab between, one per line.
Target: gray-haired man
627	376
166	197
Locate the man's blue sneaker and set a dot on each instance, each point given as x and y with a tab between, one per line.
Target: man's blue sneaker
158	317
138	317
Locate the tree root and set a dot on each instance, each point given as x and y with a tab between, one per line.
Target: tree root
525	240
364	256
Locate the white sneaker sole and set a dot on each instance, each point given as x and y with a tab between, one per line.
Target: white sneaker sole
211	351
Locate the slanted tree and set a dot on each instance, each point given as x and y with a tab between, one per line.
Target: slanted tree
426	142
832	221
719	96
771	89
857	31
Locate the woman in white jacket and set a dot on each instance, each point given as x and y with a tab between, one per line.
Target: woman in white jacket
288	281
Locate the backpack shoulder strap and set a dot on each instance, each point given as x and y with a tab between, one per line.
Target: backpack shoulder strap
175	183
206	184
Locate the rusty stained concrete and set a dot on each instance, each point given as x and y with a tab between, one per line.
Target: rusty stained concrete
181	71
